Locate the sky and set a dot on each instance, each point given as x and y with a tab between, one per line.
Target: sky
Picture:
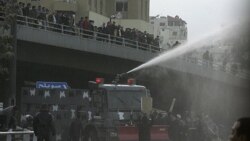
202	16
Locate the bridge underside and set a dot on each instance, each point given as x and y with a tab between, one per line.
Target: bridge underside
191	92
45	54
36	62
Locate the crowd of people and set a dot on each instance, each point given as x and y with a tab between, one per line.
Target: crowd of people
189	126
108	31
186	127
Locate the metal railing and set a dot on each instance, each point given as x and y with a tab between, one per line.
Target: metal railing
123	42
67	1
25	135
75	31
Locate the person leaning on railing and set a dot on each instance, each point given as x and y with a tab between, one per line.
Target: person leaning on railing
56	20
65	19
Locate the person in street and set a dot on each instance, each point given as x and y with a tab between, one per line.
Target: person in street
13	119
43	124
144	128
76	129
241	130
181	125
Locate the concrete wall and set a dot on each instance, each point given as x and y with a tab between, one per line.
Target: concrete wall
147	10
137	9
126	23
166	32
168	38
82	9
99	19
63	6
110	7
156	23
134	9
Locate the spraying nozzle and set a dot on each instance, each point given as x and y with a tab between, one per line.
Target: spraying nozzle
118	77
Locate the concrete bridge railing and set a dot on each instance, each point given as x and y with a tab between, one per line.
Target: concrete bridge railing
146	50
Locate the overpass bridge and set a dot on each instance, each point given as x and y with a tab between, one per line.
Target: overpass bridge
61	45
47	51
42	42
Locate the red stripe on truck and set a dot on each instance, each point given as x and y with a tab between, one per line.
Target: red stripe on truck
131	133
128	133
159	133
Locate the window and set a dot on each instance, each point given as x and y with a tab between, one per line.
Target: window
162	24
121	6
177	23
170	23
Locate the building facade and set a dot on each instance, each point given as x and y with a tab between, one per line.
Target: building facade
171	30
126	12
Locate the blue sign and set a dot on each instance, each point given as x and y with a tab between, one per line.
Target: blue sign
52	85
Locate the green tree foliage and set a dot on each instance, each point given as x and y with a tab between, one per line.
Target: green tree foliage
7	36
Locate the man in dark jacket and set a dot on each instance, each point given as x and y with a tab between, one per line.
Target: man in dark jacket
43	124
144	128
13	118
76	129
27	10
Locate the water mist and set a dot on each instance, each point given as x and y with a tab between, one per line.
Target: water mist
206	39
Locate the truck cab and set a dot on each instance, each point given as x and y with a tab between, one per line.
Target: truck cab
117	105
121	106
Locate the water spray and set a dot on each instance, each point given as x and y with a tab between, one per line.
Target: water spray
212	37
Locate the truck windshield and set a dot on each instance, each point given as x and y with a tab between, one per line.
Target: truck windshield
125	100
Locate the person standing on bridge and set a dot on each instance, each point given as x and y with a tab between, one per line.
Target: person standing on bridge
43	124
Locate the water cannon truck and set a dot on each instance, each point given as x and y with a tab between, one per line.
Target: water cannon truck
110	112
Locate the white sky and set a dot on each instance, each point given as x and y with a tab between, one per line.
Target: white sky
201	16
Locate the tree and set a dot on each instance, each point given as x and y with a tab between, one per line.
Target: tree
8	11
